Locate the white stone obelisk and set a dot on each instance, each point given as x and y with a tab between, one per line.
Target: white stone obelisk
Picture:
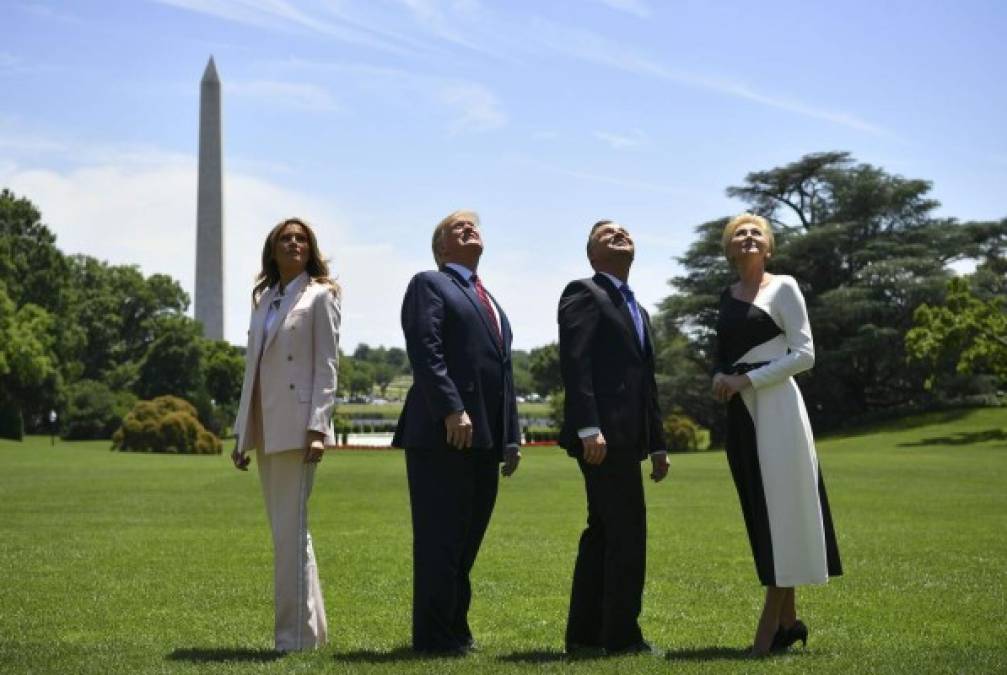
210	210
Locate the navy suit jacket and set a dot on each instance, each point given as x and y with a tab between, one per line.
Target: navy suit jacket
458	364
608	377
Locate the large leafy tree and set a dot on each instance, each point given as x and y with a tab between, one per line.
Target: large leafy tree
118	311
867	250
967	331
544	367
29	379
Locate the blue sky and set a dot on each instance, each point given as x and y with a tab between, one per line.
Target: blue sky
375	119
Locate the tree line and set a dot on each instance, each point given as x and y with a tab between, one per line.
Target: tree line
895	328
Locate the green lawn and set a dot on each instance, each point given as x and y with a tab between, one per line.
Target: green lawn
122	563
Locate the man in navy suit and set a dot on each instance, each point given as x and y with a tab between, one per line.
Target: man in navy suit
458	424
611	422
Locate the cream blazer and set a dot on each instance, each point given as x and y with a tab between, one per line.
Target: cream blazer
296	365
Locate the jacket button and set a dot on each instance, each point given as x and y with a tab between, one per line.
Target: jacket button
290	357
291	386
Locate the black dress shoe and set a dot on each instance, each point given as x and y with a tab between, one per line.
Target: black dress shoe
578	650
779	640
641	647
785	637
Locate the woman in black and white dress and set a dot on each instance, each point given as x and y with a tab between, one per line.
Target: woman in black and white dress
764	339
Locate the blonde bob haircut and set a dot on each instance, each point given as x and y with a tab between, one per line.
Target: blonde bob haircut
734	223
448	221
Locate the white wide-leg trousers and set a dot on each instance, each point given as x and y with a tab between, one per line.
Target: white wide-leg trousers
300	610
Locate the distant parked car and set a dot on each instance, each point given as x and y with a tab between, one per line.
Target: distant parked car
379	401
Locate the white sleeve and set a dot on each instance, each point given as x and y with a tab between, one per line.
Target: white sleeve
788	305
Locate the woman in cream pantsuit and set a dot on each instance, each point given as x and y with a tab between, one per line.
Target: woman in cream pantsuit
285	414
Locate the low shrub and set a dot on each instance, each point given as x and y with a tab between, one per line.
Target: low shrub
681	433
165	424
93	410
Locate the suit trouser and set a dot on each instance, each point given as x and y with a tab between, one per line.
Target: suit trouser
608	577
452	493
300	610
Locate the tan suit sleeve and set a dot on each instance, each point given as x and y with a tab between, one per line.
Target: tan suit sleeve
326	318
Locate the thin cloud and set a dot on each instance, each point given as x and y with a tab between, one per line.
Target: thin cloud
273	14
302	96
637	8
641	185
623	141
477	107
473	107
48	13
593	48
431	16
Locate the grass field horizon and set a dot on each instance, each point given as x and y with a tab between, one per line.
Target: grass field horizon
119	562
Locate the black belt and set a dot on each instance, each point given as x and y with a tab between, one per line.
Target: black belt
742	368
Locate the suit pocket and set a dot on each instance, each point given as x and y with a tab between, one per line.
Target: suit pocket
296	316
304	395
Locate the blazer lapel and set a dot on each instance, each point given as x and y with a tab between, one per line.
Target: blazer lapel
289	301
255	337
622	308
470	293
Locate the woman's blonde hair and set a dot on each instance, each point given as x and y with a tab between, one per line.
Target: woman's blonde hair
734	223
317	267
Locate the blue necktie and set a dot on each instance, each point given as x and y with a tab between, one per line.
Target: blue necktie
634	311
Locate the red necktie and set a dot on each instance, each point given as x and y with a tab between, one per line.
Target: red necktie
485	300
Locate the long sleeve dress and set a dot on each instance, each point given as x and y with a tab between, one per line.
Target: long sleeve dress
770	447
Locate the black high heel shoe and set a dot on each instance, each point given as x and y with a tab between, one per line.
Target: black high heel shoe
785	637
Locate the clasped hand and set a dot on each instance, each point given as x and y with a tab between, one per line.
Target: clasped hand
726	386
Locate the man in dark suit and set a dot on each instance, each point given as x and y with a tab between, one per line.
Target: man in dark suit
611	422
458	424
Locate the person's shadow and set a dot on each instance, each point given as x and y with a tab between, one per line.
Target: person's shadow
542	656
398	654
225	655
707	654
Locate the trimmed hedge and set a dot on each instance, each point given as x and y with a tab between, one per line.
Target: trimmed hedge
541	435
11	423
165	424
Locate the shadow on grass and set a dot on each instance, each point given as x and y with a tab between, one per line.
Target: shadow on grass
544	656
707	654
961	438
224	655
373	656
899	421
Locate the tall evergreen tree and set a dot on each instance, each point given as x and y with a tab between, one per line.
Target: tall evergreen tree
867	250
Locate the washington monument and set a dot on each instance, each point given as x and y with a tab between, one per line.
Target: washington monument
210	210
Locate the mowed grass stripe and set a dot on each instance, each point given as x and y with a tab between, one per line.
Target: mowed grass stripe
146	563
